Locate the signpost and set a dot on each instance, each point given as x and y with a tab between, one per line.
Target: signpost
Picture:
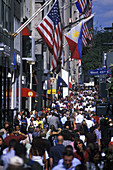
98	71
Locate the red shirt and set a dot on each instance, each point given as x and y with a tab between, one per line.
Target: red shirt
96	119
86	156
12	136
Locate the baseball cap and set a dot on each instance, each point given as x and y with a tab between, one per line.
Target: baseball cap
16	160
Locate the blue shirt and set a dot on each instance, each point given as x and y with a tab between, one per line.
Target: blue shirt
6	158
98	135
56	152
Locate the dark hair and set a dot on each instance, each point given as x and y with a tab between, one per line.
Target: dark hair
20	149
68	152
53	114
92	129
69	147
12	143
75	144
38	126
52	127
10	129
68	118
38	144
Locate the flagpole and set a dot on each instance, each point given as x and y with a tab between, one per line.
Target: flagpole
31	18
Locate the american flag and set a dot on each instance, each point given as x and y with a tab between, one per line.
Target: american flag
81	5
88	9
50	29
87	33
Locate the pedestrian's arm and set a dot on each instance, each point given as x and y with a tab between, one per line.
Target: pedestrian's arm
20	133
99	144
58	122
51	162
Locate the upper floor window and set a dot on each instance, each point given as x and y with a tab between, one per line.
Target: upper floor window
5	14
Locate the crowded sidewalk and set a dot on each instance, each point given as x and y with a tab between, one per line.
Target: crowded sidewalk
70	135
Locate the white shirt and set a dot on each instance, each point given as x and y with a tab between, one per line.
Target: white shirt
79	118
63	120
89	123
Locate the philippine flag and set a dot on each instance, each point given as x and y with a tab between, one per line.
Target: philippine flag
74	39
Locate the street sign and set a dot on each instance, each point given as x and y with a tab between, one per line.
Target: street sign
53	91
98	71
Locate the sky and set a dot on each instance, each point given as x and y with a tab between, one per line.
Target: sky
104	13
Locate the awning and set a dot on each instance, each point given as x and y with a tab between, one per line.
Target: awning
29	93
61	82
25	93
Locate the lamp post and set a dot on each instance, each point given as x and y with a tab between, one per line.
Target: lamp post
8	92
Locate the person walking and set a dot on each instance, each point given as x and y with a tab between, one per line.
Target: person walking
54	120
56	152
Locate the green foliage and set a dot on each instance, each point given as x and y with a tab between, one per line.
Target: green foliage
110	85
92	55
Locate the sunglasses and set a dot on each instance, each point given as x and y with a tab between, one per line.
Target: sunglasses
79	143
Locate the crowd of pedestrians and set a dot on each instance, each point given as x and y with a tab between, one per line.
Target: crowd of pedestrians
69	136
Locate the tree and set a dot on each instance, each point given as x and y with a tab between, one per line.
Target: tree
92	55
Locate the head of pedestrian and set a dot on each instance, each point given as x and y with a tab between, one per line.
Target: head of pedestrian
6	124
69	147
60	139
40	125
17	128
67	158
38	129
53	114
52	127
38	118
20	113
32	118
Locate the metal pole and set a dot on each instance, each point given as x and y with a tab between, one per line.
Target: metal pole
31	18
51	96
20	76
30	98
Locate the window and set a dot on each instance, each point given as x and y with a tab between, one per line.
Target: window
0	12
5	14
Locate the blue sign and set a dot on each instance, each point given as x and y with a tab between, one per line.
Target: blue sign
98	71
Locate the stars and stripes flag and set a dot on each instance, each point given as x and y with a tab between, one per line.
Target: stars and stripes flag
88	9
87	31
81	5
87	26
50	29
85	9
